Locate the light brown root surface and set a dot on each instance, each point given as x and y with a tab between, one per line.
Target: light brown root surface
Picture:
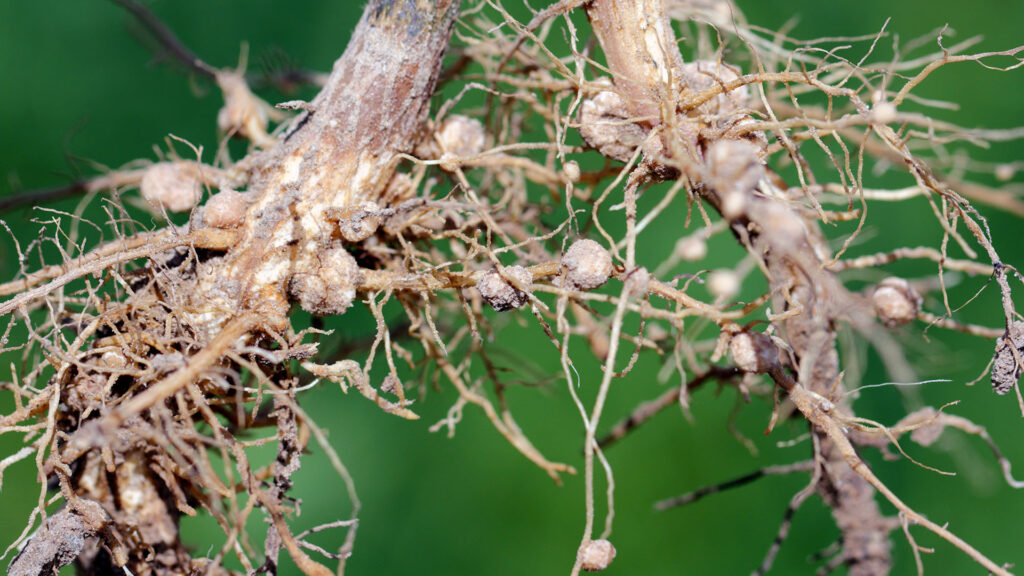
153	364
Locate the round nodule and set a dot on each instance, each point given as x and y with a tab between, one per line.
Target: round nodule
226	209
499	293
586	265
171	186
754	352
596	555
462	136
330	287
896	302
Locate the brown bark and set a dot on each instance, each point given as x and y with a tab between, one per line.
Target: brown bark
647	69
342	151
641	51
374	104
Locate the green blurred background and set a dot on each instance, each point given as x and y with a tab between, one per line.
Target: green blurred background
77	84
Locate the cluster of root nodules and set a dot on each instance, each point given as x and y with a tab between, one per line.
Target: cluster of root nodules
127	474
147	371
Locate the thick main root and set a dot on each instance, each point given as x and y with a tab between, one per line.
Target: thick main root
156	362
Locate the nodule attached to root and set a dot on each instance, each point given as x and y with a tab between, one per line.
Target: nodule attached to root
596	555
692	248
704	74
243	114
733	170
172	186
226	209
896	302
754	352
502	295
586	265
462	136
724	283
572	170
330	286
605	124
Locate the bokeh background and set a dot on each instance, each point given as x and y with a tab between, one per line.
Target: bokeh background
77	86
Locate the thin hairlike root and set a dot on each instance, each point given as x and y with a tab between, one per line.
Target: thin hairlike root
581	186
794	504
692	497
648	410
